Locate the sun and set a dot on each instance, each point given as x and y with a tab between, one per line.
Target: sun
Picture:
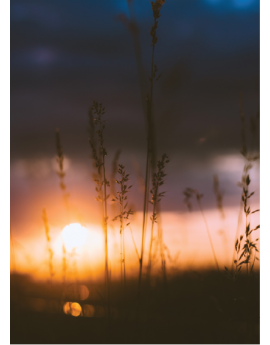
74	235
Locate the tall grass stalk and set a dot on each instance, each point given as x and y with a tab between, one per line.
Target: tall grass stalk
114	168
151	140
239	221
49	248
189	192
219	195
61	174
64	263
249	247
13	252
148	112
134	244
123	216
132	26
96	140
157	182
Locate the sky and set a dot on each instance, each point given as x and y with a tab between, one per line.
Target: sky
64	54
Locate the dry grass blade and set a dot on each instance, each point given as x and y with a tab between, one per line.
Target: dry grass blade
113	175
151	140
249	247
96	140
124	214
134	243
219	196
189	192
61	174
49	248
157	182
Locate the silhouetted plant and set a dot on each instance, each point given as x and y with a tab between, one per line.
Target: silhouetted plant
48	238
157	182
151	141
113	174
131	25
64	263
124	214
249	245
219	196
60	172
63	187
189	192
96	140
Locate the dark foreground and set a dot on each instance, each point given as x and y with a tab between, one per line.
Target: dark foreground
193	307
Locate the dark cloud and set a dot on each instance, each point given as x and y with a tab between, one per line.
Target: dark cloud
66	53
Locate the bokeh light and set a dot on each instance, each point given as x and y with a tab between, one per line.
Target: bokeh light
73	309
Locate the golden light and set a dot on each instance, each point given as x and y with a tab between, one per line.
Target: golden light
73	309
74	235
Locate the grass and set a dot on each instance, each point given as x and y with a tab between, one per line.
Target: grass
61	174
219	196
157	182
96	140
189	192
123	216
49	249
151	141
195	307
249	247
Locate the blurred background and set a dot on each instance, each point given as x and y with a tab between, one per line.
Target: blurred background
66	54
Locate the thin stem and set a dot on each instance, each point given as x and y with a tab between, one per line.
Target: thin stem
142	79
150	250
150	154
121	252
138	56
247	237
134	243
152	230
64	263
122	234
161	246
61	173
209	236
145	212
124	259
13	252
123	215
104	201
237	229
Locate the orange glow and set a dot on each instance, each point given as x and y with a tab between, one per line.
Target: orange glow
184	235
73	309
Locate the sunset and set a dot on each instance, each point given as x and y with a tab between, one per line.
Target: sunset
135	171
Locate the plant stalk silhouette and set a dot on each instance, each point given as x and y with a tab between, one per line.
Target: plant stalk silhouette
96	140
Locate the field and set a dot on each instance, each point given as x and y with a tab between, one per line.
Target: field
194	307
